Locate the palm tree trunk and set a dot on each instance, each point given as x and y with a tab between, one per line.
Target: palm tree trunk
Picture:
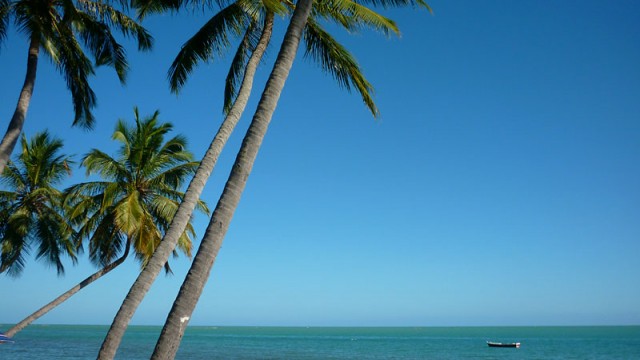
155	265
14	129
185	303
62	298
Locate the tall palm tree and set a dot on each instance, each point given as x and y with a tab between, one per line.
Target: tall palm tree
31	209
149	273
133	206
191	289
212	39
58	27
256	18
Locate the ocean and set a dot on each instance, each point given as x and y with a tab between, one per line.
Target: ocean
583	343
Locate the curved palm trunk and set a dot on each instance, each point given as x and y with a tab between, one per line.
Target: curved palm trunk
10	138
187	298
62	298
155	265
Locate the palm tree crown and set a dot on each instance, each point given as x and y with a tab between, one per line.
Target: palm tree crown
31	208
134	204
62	28
242	18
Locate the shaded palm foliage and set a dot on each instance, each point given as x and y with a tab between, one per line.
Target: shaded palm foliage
242	19
66	30
132	207
31	214
251	21
136	201
193	285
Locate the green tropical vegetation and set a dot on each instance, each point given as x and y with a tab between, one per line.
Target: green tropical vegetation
130	208
134	203
253	22
191	289
31	207
65	31
137	205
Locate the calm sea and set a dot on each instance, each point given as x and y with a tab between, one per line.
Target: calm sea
83	342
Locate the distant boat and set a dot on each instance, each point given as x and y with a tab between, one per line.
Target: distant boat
5	339
509	345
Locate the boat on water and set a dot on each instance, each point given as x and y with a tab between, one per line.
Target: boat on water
5	339
507	345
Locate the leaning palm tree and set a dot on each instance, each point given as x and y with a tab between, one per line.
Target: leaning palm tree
133	206
58	28
31	212
191	289
212	39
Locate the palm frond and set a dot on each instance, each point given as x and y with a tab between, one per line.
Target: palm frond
396	3
5	7
104	47
106	242
32	210
124	206
211	40
13	253
112	18
43	164
49	246
11	177
76	68
146	239
99	162
146	7
336	60
175	176
354	16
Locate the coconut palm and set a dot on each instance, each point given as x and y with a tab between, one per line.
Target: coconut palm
191	289
212	39
61	29
146	277
31	209
133	206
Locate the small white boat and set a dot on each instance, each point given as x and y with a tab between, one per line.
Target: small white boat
499	344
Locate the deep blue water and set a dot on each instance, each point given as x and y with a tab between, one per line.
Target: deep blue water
584	343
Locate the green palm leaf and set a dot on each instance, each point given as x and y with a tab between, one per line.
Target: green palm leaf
62	30
4	19
211	40
32	209
336	60
134	203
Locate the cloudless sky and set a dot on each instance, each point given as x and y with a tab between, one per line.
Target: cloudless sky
499	187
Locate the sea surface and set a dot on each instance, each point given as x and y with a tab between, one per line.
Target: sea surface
583	343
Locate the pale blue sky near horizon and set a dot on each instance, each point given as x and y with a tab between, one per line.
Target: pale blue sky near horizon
499	187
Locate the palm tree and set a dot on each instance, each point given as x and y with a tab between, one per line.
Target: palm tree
58	27
147	276
135	203
183	306
212	39
31	210
133	206
257	19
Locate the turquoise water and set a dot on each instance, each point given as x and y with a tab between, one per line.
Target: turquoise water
584	343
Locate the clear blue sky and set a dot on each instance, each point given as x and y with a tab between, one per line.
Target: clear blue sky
499	187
